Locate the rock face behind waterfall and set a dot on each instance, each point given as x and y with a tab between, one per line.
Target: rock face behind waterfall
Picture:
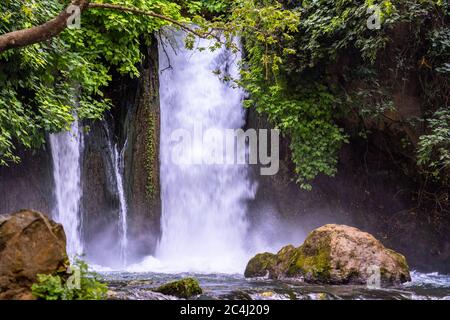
334	254
30	244
133	124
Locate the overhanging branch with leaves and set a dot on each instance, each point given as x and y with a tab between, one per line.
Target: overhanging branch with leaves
53	27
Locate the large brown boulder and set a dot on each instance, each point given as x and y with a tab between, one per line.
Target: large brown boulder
30	244
334	254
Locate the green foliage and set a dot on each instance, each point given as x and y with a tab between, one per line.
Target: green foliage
330	26
303	112
299	71
433	152
204	7
49	287
334	48
306	117
440	49
294	53
45	86
81	285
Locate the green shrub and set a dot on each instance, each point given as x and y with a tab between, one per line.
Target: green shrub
82	284
433	153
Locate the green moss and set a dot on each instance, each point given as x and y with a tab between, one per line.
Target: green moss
150	156
184	288
317	265
292	295
286	252
402	271
312	259
400	259
322	296
260	265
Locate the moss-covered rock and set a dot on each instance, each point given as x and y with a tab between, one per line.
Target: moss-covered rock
261	265
184	288
312	260
284	259
334	254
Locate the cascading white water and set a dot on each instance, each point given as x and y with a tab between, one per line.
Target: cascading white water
118	163
123	209
66	152
204	221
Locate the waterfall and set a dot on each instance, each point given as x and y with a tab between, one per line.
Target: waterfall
123	228
66	150
117	160
204	223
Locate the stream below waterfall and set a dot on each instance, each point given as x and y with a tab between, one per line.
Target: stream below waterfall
137	286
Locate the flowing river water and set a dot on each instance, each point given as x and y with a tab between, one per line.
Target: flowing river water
138	286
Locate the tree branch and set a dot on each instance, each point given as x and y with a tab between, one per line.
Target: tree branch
52	28
43	32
